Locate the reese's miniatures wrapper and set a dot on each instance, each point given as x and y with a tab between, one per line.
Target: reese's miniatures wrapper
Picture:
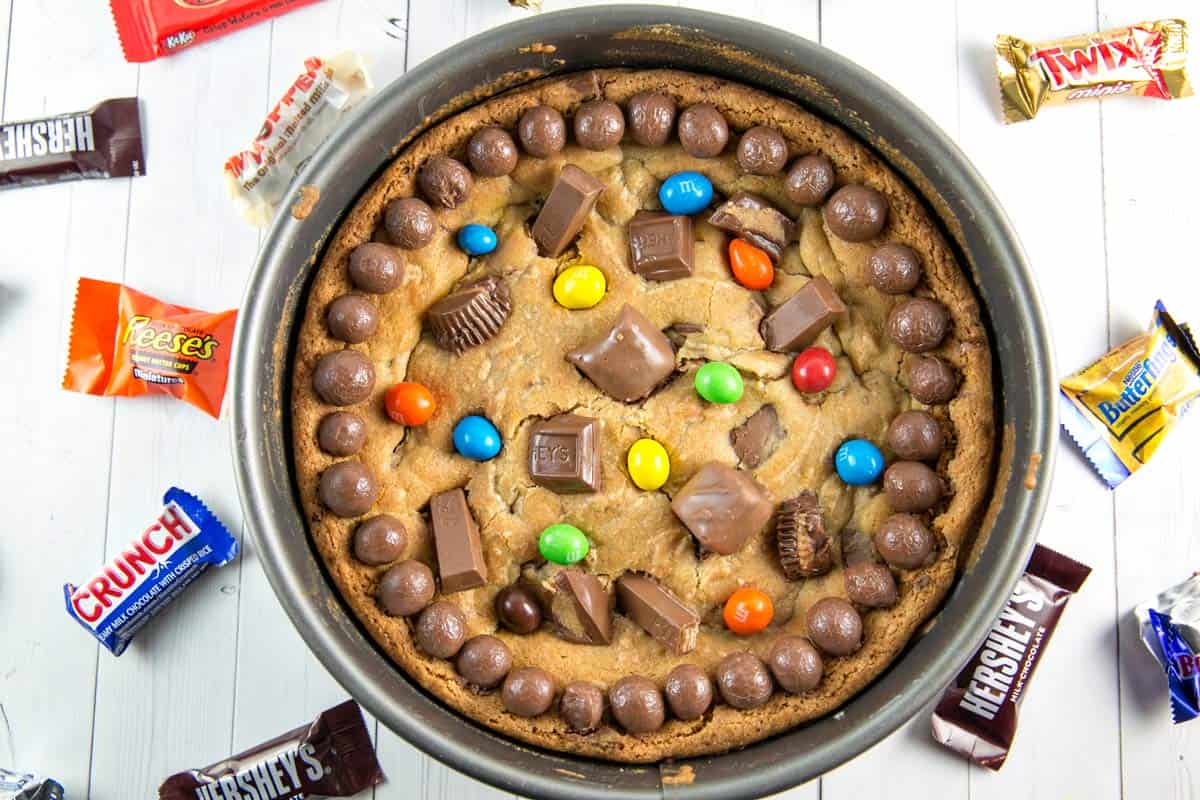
1119	409
977	716
330	757
125	344
152	28
1148	59
103	142
1170	628
144	576
28	786
257	178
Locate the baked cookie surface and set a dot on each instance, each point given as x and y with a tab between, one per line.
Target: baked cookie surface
520	376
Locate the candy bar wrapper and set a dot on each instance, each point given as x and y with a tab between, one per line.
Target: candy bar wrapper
977	716
27	786
126	344
1148	59
1170	628
103	142
257	178
1119	409
330	757
149	29
147	574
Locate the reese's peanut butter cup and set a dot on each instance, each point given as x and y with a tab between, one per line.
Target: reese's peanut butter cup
1148	59
1120	408
125	344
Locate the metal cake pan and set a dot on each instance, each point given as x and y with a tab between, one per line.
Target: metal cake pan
643	36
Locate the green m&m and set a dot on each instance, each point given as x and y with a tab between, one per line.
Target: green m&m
563	544
718	382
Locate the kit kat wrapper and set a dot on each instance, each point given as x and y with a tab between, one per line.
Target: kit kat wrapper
149	29
977	716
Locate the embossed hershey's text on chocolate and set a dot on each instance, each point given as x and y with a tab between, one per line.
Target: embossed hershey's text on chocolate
564	454
661	246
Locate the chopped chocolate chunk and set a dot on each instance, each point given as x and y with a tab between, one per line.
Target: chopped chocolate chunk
581	606
630	360
470	315
565	210
800	536
799	321
564	454
756	439
659	612
752	218
722	507
661	246
858	547
456	539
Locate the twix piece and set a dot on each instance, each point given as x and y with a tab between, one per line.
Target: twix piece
1120	408
1148	59
977	716
153	28
126	344
330	757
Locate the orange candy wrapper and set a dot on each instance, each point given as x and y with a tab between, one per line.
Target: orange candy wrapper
126	344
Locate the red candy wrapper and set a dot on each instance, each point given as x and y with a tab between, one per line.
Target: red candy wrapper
126	344
153	28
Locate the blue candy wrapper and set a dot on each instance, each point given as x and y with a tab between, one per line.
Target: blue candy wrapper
1170	628
28	786
150	572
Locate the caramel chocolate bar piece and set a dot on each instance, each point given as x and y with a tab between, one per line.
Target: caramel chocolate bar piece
752	218
456	540
470	315
630	360
563	215
581	607
660	613
722	507
799	321
661	246
564	454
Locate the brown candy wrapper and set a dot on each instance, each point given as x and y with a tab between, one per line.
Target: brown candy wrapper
977	715
331	757
103	142
1148	59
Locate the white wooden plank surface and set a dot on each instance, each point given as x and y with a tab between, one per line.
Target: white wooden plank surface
1101	196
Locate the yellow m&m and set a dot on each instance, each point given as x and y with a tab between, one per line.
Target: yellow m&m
580	286
649	464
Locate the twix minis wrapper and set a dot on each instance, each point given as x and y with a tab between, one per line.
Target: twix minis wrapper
1148	59
977	716
125	344
1119	409
153	28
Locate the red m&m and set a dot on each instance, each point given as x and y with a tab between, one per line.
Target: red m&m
813	370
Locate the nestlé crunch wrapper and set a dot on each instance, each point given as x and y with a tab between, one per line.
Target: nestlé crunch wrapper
1148	59
125	344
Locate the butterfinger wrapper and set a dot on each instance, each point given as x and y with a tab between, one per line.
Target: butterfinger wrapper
1148	59
1119	409
257	178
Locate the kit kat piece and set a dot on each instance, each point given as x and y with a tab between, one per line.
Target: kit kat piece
661	246
660	613
562	216
564	454
797	323
456	539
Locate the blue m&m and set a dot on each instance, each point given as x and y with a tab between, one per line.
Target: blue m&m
476	239
685	193
858	462
476	438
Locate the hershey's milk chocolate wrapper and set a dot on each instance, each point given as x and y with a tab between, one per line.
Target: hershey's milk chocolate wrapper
104	141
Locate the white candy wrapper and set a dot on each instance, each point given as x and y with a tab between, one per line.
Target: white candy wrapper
257	178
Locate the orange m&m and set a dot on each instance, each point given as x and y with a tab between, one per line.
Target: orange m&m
409	403
748	611
751	265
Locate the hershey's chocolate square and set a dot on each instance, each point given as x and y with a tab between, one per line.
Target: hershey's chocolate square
628	362
722	507
565	210
799	321
456	540
564	454
661	246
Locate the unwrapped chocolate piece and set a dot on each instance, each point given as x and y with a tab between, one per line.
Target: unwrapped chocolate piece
800	538
564	453
330	757
631	359
1170	629
661	246
659	612
103	142
1148	59
798	322
977	716
722	507
565	210
471	314
456	540
755	220
1119	409
153	28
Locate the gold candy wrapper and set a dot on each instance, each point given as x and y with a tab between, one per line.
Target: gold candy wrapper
1148	59
1119	409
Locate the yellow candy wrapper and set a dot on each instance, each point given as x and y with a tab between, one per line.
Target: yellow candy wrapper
1119	409
1148	59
